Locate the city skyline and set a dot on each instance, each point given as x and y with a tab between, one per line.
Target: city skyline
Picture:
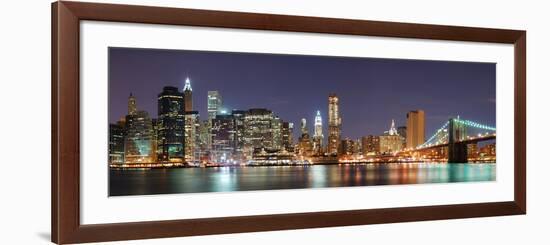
360	118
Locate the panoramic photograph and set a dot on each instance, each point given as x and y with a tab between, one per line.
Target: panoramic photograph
184	121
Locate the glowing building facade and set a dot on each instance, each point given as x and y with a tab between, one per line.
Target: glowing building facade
116	143
258	132
334	125
391	141
171	125
318	134
139	143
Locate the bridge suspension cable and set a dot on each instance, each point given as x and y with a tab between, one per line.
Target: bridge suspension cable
475	125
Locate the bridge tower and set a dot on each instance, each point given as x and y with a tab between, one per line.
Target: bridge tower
458	152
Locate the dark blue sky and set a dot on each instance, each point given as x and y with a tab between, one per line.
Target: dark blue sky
372	91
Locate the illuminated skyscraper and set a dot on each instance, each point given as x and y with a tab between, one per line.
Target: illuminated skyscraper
288	142
188	95
132	106
223	139
334	124
258	132
238	116
391	141
370	145
392	130
214	104
191	131
318	134
171	125
305	147
347	146
276	132
116	143
303	126
415	128
139	143
191	135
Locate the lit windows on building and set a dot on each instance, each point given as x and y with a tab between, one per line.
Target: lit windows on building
318	135
116	143
370	145
334	124
223	133
191	136
171	125
139	143
258	130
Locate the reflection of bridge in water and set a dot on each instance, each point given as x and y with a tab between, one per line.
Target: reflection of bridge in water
455	135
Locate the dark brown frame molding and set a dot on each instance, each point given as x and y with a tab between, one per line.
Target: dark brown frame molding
65	175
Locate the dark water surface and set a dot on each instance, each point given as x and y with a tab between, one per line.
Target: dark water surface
223	179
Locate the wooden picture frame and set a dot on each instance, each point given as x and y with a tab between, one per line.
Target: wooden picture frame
65	175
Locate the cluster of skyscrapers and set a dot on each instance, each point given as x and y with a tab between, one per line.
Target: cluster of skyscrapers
178	137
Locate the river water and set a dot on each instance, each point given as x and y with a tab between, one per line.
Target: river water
225	179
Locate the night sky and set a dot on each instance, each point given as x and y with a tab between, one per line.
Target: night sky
372	91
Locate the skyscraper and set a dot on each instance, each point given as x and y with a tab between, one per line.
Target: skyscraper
370	145
303	126
305	147
191	121
116	143
415	128
318	134
132	106
347	146
171	125
223	138
238	116
191	134
214	104
334	124
286	131
391	141
188	95
139	143
276	132
258	130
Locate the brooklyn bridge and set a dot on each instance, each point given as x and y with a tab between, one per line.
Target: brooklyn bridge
455	135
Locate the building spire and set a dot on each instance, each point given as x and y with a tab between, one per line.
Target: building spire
187	85
392	131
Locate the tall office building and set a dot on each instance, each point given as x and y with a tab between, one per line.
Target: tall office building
139	143
214	104
347	146
415	128
303	126
191	133
132	105
318	134
188	95
276	132
391	141
258	131
286	131
334	124
223	139
116	143
305	147
171	125
370	145
238	116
